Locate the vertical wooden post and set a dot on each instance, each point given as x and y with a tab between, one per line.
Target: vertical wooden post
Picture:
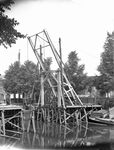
42	79
42	86
64	135
22	120
76	115
65	116
61	68
59	95
48	114
59	89
42	91
33	121
3	122
80	116
57	115
28	128
52	113
73	118
61	75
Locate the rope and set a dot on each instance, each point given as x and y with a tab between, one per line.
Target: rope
44	45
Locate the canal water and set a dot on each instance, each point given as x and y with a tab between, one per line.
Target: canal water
50	135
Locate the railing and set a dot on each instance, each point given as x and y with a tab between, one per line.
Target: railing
99	100
17	101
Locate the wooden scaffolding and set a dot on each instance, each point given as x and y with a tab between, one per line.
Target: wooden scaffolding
63	92
10	120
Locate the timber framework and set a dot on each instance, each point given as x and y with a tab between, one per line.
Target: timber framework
62	105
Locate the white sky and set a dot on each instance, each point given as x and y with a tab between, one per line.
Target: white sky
82	25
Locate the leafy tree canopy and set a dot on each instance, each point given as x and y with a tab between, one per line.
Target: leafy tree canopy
8	33
47	63
75	72
20	79
107	57
23	78
106	67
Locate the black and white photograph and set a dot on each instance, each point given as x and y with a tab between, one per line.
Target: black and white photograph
57	74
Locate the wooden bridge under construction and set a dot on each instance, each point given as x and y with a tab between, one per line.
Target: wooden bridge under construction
63	105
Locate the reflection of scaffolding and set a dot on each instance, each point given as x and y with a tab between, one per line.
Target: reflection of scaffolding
60	136
53	136
63	92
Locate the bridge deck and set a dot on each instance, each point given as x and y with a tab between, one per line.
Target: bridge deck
10	107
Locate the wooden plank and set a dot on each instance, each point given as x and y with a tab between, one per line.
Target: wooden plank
3	122
10	107
84	106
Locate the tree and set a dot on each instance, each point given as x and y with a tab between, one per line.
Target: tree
106	67
75	72
48	89
8	33
107	57
27	77
90	82
47	63
10	81
20	79
102	84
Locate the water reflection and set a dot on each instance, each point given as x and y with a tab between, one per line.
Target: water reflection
54	136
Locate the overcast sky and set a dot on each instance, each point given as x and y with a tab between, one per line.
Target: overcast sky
82	25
